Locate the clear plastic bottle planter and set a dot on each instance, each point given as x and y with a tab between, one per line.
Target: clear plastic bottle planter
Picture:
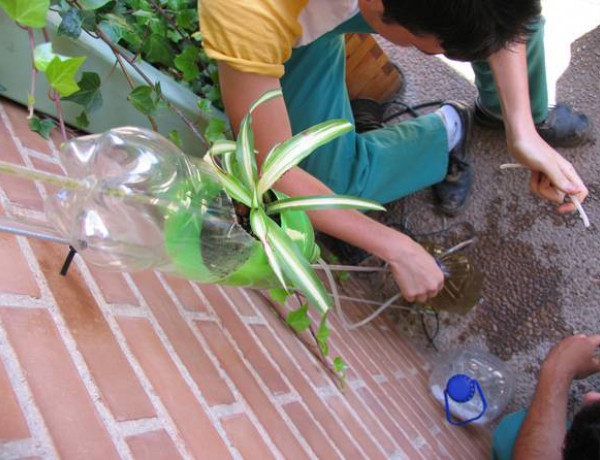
140	203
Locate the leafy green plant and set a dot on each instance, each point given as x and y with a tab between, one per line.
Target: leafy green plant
235	164
163	32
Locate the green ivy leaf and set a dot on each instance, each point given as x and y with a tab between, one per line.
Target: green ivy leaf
28	13
279	295
187	62
112	31
42	127
323	335
298	319
115	27
158	25
82	120
339	365
88	20
215	129
158	89
188	19
70	25
204	105
142	98
92	4
175	138
212	92
174	36
176	4
89	95
61	74
157	49
43	55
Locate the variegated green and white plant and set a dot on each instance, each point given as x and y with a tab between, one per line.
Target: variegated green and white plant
235	164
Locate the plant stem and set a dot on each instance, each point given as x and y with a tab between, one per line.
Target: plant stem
34	72
47	178
61	121
76	184
132	86
174	109
164	14
314	350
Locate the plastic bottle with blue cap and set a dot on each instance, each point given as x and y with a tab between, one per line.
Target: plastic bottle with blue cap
473	386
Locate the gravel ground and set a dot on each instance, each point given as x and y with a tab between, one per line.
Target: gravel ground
541	271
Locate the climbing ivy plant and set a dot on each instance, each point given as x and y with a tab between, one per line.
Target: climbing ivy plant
161	32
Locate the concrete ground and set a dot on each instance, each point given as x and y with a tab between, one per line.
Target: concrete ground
542	278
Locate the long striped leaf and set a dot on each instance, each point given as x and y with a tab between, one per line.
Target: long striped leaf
319	202
228	162
234	188
296	268
266	97
291	152
221	147
258	222
244	153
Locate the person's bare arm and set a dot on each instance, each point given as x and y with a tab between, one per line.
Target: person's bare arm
543	432
552	176
415	271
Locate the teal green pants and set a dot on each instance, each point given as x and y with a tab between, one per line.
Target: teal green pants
392	162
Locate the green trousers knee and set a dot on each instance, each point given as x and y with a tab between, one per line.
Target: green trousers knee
388	163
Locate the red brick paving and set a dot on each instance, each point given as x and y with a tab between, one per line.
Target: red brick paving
148	366
153	445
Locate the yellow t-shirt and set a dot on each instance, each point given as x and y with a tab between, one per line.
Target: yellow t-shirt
257	36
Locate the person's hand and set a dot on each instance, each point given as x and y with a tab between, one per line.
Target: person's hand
552	177
416	272
573	358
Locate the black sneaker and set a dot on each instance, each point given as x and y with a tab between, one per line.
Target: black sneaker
453	192
564	127
368	114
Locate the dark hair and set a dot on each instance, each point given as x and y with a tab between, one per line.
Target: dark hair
583	439
467	29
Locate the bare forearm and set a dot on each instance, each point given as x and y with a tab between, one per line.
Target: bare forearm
543	431
509	67
349	225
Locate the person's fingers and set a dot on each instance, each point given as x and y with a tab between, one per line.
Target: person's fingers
547	190
563	176
432	293
570	206
566	208
594	339
408	297
590	398
422	298
534	182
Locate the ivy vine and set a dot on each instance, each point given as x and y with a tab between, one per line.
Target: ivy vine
161	32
